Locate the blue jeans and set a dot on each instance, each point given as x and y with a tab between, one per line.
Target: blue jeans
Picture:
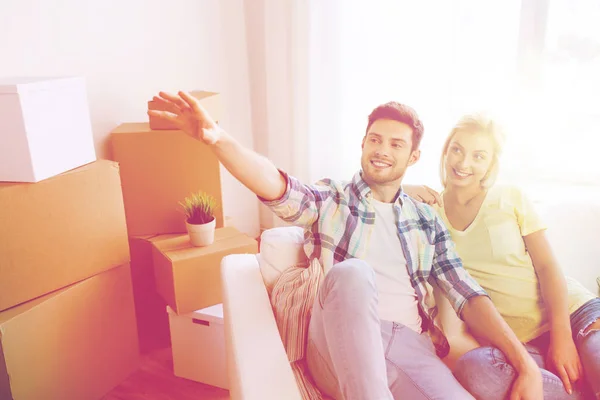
351	354
487	375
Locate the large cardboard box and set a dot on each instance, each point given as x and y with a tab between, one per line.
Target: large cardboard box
158	170
76	343
189	278
59	231
152	320
211	102
45	128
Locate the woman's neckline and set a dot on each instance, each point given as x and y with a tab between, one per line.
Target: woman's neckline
473	222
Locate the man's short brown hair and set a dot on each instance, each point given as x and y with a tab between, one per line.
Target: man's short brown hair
401	113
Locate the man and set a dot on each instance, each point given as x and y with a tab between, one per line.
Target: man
380	251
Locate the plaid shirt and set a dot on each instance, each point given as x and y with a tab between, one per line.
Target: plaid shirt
338	219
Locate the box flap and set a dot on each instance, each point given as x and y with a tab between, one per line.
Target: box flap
179	248
212	314
27	84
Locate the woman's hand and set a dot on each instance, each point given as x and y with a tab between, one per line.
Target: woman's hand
423	193
528	385
563	359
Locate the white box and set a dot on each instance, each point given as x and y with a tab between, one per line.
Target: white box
45	128
198	344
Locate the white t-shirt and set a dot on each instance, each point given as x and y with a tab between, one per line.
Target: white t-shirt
397	297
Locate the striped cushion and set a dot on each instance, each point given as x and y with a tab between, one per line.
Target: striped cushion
292	299
308	389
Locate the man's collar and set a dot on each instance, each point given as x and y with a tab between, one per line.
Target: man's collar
364	191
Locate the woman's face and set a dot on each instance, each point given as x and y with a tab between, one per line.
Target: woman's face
468	158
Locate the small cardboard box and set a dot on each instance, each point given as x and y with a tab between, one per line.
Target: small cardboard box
158	170
76	343
189	278
198	345
211	102
45	128
60	231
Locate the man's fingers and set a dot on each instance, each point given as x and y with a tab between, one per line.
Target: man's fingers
168	105
164	115
564	377
192	103
174	99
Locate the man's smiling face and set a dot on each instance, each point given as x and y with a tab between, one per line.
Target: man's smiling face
387	152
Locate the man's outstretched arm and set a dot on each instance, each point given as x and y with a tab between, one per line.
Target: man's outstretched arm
253	170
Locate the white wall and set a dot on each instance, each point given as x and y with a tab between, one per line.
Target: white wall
129	50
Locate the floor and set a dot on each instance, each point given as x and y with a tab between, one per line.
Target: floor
154	380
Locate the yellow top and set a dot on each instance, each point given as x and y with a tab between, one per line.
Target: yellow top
494	253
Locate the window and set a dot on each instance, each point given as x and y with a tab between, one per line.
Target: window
534	63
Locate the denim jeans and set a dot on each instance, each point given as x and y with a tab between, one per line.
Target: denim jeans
351	354
494	376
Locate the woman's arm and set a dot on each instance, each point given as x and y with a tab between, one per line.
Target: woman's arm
562	353
552	281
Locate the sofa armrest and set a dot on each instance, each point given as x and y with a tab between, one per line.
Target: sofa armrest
257	362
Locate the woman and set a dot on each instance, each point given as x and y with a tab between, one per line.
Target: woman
502	243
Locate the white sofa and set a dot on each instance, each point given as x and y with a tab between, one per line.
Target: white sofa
258	365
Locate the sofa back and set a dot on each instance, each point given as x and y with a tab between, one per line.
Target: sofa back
280	248
573	231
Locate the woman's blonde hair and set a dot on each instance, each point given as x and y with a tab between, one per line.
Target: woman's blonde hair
480	123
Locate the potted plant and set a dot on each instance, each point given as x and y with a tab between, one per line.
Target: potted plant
199	209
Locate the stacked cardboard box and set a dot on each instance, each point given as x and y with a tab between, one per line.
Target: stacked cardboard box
159	167
67	325
67	321
45	127
189	278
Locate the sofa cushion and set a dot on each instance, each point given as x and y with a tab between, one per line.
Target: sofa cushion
292	299
280	248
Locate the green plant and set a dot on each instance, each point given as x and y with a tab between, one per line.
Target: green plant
199	208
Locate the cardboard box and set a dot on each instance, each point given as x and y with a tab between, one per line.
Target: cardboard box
152	321
211	102
76	343
189	278
45	128
199	346
60	231
158	170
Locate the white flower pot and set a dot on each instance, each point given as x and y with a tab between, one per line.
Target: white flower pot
203	234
